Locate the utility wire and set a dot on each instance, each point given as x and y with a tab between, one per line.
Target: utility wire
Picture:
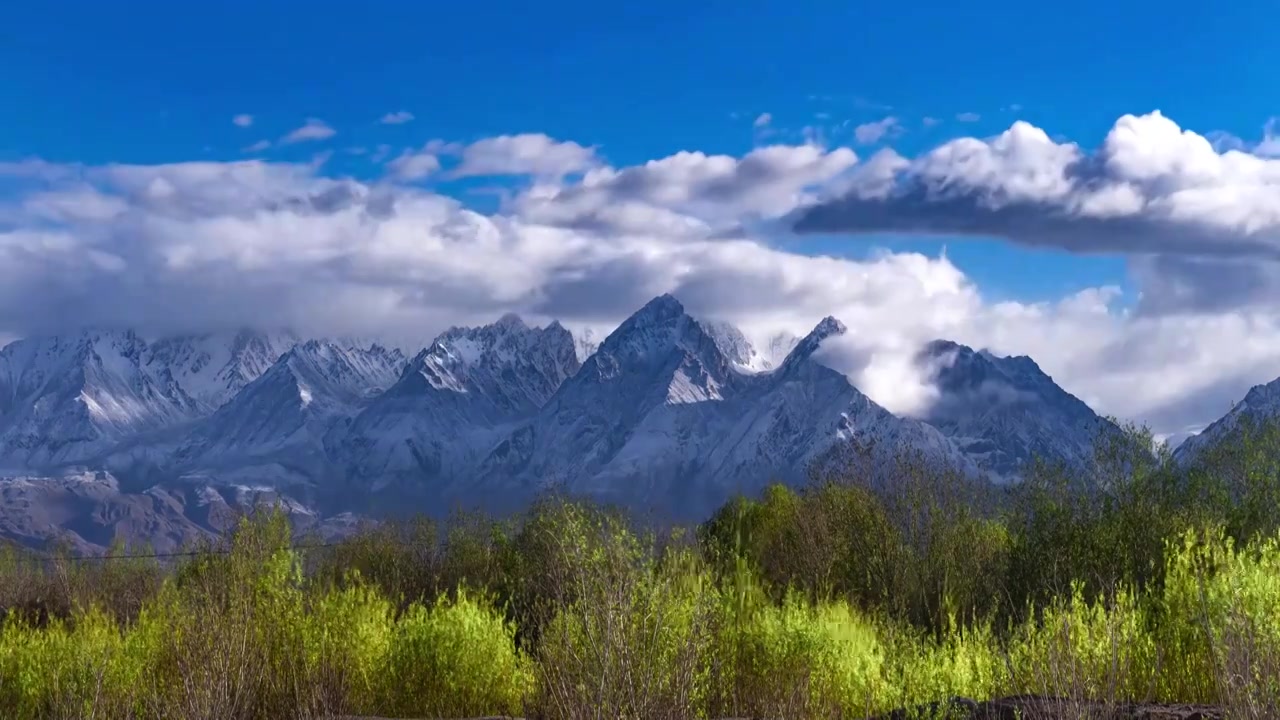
34	555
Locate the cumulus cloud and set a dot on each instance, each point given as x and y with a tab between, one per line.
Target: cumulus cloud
690	192
414	165
243	120
885	370
874	132
1270	145
397	118
1150	188
201	246
763	120
313	129
525	154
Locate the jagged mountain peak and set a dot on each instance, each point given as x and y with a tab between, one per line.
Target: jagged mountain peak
955	366
1261	404
735	345
1006	411
288	410
213	367
459	353
511	321
664	306
826	328
660	411
662	319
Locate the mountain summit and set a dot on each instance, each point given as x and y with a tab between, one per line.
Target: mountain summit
1261	404
661	417
1005	411
668	413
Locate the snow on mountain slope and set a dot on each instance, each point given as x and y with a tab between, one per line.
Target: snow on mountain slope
660	416
807	416
586	341
213	368
1261	404
64	399
289	408
735	346
454	401
667	413
1005	411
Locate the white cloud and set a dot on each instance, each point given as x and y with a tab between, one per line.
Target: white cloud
526	154
930	121
208	245
313	129
258	146
968	117
242	120
397	118
691	192
1150	188
763	120
414	165
874	132
1270	145
1223	141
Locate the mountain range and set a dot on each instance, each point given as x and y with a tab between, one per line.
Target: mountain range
107	434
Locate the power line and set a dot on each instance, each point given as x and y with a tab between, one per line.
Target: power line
33	555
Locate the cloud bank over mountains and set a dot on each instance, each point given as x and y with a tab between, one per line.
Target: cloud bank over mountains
202	246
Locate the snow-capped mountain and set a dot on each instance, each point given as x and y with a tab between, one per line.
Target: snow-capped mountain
64	399
453	402
1005	411
288	410
585	342
1260	405
739	351
660	416
211	369
69	399
667	412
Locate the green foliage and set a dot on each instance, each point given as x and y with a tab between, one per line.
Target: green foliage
64	670
922	667
1138	580
456	659
630	635
795	659
1096	650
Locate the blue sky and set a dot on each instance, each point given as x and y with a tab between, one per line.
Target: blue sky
148	82
153	81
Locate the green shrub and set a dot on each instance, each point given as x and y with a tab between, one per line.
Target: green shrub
923	668
349	637
1098	650
1220	612
629	639
455	659
64	670
793	659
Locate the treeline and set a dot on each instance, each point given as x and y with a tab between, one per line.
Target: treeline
1141	580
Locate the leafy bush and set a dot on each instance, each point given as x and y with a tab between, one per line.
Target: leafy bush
64	670
630	637
456	659
1139	579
